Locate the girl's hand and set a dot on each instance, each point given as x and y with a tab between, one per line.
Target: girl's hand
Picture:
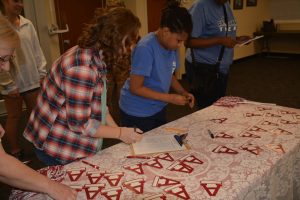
128	135
178	99
60	191
191	99
229	42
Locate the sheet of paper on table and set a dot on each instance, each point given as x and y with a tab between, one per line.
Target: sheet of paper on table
151	144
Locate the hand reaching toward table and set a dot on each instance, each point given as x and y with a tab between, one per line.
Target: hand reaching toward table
59	191
130	135
178	99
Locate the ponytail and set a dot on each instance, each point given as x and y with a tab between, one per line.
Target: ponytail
176	18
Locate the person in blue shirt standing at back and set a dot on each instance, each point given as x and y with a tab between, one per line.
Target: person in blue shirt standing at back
145	94
214	29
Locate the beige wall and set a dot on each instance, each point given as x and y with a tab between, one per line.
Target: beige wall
139	8
285	9
287	17
42	14
249	20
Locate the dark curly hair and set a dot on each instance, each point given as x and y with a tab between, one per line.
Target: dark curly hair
176	18
108	29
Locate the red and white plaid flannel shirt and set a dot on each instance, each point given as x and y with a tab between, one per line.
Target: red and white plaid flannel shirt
68	110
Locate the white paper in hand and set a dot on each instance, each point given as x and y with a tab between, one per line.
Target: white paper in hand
250	40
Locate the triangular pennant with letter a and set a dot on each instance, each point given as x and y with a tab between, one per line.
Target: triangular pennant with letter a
180	167
92	190
94	176
219	121
251	148
285	112
160	181
280	131
252	115
283	121
211	187
153	163
250	135
113	178
257	129
272	115
178	190
75	173
137	168
164	156
112	193
263	108
224	135
224	149
297	116
191	159
276	147
136	185
268	123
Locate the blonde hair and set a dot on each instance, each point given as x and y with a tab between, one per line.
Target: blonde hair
8	35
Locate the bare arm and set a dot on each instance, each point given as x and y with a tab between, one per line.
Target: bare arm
127	135
208	42
176	86
15	173
110	121
137	87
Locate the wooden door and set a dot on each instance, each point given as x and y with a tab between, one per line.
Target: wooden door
154	8
75	14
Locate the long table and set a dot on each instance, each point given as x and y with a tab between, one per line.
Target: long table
255	154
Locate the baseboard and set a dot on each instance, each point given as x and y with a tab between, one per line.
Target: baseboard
245	58
269	55
282	55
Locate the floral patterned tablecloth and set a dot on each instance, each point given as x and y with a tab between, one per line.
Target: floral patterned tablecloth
255	154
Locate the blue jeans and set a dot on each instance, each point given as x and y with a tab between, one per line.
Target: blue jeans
144	123
202	100
47	159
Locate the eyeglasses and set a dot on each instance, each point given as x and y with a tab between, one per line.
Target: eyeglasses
6	58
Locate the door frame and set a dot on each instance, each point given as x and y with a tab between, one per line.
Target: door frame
41	14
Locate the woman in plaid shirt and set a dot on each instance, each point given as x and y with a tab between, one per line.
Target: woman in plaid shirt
71	117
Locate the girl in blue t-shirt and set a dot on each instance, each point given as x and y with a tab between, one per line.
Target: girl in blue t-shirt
145	94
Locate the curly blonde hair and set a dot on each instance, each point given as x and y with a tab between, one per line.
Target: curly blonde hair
107	31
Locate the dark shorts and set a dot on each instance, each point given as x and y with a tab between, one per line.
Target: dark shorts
144	123
47	159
